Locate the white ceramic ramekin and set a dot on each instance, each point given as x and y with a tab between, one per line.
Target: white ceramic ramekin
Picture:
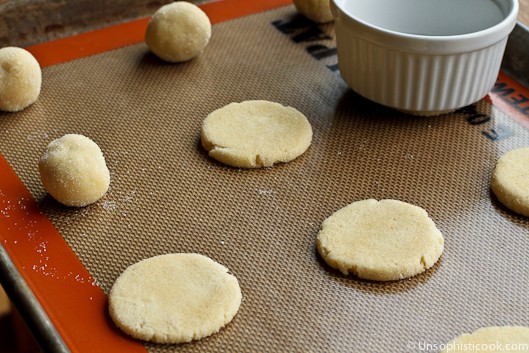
423	57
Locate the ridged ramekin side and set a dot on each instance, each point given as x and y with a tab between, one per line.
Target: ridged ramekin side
417	82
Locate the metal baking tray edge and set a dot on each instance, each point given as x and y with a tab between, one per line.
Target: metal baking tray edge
36	319
516	59
515	63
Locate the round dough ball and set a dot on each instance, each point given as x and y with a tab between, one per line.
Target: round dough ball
510	180
73	170
20	79
380	240
491	340
174	298
316	10
178	32
255	134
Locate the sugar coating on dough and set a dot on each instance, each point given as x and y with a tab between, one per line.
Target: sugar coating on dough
73	170
510	180
20	79
255	134
380	240
316	10
174	298
178	32
491	340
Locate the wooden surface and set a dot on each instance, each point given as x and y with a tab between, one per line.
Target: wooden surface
27	22
524	12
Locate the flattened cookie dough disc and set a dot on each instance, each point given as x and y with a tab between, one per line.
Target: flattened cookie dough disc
491	340
255	134
20	79
380	240
174	298
510	180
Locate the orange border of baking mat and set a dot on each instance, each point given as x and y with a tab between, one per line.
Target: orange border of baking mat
512	98
72	300
121	35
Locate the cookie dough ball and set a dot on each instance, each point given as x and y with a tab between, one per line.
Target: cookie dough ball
383	240
73	170
491	340
178	32
255	134
510	180
20	79
316	10
174	298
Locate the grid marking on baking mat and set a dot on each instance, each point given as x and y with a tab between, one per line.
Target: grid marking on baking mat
168	196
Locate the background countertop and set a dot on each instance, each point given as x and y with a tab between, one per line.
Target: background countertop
27	22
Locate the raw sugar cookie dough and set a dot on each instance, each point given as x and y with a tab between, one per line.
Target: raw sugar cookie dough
316	10
20	79
491	340
380	240
510	180
178	32
255	134
174	298
73	170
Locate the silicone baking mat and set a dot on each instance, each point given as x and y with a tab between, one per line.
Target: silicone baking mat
168	196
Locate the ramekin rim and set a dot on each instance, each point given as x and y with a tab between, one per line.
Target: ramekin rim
499	27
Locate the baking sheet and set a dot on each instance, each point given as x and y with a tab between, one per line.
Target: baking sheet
168	196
